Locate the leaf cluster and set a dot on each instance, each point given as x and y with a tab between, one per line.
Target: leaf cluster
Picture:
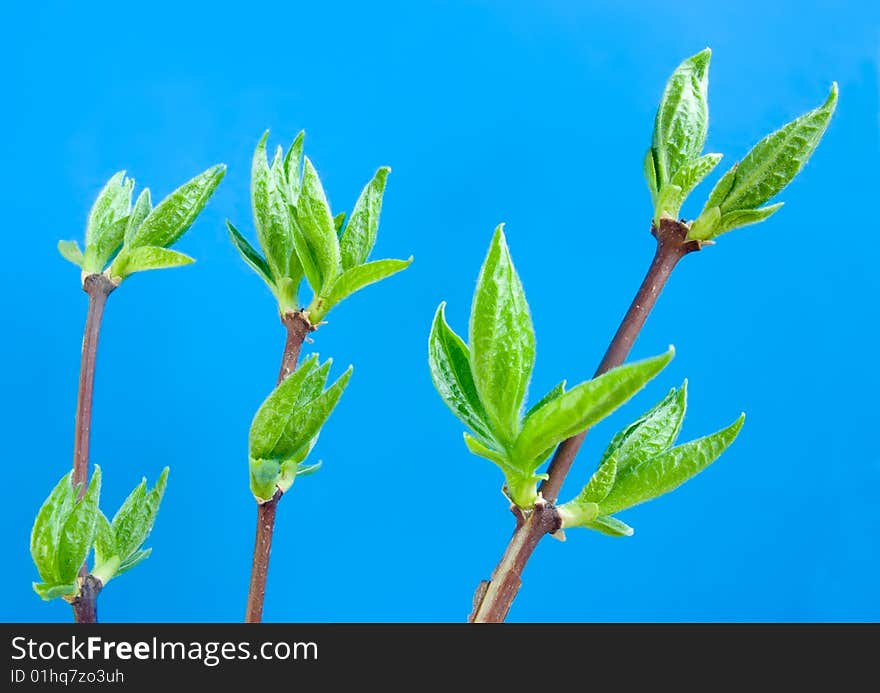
484	383
301	239
67	529
675	165
123	238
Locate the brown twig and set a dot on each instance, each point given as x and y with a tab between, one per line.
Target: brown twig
298	328
98	287
497	597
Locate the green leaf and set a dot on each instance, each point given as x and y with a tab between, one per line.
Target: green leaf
105	541
360	234
78	532
264	478
293	467
652	433
112	203
47	529
271	213
722	187
107	557
610	526
502	340
484	450
250	255
339	223
668	203
142	208
600	483
146	257
294	413
558	389
691	174
130	519
273	412
353	280
683	117
170	219
292	166
777	159
651	174
70	251
583	406
305	421
308	469
133	560
745	217
664	472
105	245
49	592
134	520
449	361
705	225
314	235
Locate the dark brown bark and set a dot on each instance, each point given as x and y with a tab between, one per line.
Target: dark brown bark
85	604
98	287
298	328
493	602
260	565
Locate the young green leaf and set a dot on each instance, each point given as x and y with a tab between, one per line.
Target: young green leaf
271	213
112	203
304	422
360	233
264	478
600	483
47	529
273	413
292	165
105	541
49	592
777	159
104	246
691	174
314	235
250	255
144	258
664	472
295	466
70	251
353	280
339	224
668	202
652	433
449	361
583	406
610	526
142	208
78	532
744	217
651	175
558	389
502	340
134	559
129	520
170	219
682	119
293	414
481	449
705	225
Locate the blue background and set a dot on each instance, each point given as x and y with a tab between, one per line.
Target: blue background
536	114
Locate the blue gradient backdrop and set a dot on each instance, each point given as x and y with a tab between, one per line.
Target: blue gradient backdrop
536	114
